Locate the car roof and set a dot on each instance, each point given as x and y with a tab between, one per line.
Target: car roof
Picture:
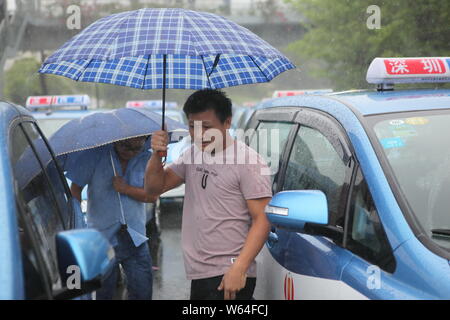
370	102
8	112
373	102
65	114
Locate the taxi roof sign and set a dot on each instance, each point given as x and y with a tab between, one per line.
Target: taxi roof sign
408	70
55	102
150	104
289	93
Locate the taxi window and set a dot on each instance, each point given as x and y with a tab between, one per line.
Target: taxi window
314	164
35	194
34	274
269	141
56	180
366	236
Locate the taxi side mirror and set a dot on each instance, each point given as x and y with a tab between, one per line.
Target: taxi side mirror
292	209
85	259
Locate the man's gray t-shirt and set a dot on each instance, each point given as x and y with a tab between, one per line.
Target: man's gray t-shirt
216	219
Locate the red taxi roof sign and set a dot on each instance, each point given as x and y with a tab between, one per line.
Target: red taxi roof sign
54	102
289	93
150	104
409	70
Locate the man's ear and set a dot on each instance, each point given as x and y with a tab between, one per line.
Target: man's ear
227	123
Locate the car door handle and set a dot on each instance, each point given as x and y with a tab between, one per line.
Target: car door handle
272	240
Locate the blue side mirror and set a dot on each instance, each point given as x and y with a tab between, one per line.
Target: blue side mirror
292	209
85	259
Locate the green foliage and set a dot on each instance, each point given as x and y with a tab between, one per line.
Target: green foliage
23	80
338	35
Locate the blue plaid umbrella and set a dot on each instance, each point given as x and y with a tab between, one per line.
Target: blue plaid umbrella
167	48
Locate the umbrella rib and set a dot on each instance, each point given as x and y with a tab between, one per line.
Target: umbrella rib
146	71
206	71
216	62
268	80
82	72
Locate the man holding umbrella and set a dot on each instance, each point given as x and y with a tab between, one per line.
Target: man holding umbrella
115	177
173	48
224	224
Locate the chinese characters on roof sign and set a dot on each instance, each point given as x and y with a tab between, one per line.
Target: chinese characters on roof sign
415	66
409	70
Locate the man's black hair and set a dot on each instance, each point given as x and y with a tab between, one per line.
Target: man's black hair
207	99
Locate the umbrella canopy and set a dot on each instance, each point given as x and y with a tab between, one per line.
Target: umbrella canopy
90	132
167	48
101	128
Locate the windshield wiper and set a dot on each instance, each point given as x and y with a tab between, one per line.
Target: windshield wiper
441	233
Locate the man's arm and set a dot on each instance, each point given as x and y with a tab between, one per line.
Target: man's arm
235	278
139	194
157	179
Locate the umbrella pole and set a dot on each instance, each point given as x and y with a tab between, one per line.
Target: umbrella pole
163	154
164	93
123	223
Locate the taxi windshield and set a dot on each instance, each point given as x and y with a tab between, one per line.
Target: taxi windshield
417	149
50	126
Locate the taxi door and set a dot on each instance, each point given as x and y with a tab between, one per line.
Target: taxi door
316	156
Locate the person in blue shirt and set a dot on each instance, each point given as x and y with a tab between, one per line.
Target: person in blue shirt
114	175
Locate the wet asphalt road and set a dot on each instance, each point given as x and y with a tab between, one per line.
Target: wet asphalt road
169	282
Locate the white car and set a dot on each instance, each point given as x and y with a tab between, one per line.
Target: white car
175	150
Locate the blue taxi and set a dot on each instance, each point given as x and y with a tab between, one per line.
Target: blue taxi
41	255
361	184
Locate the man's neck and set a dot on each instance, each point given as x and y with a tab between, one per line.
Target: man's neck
227	141
123	164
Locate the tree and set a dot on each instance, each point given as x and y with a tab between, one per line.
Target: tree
339	35
23	80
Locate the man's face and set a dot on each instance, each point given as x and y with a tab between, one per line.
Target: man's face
127	149
211	132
